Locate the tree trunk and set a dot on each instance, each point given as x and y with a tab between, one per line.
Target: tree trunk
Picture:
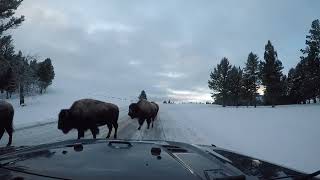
272	103
40	90
7	95
21	96
224	101
314	100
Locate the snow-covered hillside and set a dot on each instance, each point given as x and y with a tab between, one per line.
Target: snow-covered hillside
287	135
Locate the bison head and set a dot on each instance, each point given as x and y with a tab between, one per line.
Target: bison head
64	122
133	110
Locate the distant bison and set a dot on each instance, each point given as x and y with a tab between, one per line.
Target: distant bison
6	119
143	110
89	114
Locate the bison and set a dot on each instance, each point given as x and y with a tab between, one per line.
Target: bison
155	111
143	110
89	114
6	119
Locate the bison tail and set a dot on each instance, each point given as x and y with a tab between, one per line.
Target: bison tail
117	116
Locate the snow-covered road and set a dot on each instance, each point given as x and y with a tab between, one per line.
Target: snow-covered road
48	132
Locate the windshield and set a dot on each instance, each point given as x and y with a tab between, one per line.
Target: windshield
242	75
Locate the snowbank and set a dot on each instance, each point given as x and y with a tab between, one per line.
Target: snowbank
286	135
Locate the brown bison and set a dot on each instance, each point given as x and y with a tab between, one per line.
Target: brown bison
155	111
6	119
89	114
143	110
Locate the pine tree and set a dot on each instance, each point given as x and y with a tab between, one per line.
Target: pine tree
7	21
292	88
219	81
271	74
234	85
143	95
311	63
251	79
7	65
7	10
45	73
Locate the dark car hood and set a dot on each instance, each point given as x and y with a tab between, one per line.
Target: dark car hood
98	159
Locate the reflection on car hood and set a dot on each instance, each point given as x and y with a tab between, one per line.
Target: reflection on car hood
98	159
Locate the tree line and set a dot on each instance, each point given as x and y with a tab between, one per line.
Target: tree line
235	86
19	73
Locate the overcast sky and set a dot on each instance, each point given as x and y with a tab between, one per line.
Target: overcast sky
166	47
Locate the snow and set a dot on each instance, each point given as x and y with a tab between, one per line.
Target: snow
286	135
42	109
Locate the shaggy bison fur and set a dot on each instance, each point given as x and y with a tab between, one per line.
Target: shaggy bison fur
155	111
6	119
89	114
143	110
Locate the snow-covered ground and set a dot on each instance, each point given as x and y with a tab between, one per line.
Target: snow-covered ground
287	135
44	108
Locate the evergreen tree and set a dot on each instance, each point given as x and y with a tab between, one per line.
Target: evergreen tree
45	73
219	81
271	74
8	21
7	10
234	85
251	79
143	95
311	63
6	61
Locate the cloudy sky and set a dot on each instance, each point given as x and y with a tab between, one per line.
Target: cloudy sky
166	47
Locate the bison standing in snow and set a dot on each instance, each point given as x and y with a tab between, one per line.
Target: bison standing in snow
143	110
89	114
6	119
155	111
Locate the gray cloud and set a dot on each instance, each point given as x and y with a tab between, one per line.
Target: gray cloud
166	47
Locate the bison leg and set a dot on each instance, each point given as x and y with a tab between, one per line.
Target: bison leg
1	132
152	122
110	130
94	132
115	125
148	122
141	121
9	131
80	133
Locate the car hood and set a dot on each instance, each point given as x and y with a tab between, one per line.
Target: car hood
120	159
